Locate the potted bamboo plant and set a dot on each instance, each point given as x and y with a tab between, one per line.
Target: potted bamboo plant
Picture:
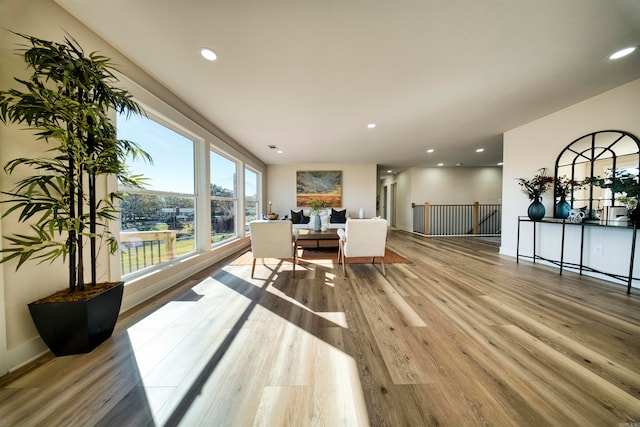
67	102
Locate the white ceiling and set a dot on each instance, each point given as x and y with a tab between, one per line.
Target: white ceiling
308	75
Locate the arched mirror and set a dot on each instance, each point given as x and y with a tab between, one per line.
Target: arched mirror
601	156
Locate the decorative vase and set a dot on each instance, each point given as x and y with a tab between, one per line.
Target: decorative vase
317	223
562	209
536	210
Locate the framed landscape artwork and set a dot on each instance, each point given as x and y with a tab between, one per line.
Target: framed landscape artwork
320	185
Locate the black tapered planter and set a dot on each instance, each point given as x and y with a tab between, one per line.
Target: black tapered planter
634	216
76	327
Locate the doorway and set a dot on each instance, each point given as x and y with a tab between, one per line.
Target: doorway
392	205
385	195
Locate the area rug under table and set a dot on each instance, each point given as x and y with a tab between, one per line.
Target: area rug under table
321	256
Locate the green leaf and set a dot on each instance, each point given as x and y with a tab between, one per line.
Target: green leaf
67	102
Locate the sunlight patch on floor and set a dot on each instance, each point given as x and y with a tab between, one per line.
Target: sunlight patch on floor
197	357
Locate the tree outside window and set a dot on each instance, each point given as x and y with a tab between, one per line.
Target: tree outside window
224	202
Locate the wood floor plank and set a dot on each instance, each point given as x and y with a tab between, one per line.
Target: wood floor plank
231	392
284	406
459	336
468	363
396	343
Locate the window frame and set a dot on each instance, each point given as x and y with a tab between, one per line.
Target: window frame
258	195
236	200
151	115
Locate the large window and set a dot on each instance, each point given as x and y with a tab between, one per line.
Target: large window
251	200
157	222
224	201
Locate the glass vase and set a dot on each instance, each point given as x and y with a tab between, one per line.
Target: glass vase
536	210
562	209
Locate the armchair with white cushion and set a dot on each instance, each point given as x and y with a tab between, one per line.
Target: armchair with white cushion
273	239
363	238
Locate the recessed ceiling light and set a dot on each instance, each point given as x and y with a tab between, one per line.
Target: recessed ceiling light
208	54
371	125
430	150
440	164
279	151
479	150
389	171
500	163
623	52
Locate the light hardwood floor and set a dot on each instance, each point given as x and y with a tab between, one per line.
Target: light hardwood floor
462	336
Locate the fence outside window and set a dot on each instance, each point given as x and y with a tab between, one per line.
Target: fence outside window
140	249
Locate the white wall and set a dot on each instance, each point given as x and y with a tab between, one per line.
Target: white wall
537	144
19	341
442	186
456	185
358	186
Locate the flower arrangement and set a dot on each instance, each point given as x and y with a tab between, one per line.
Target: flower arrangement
535	187
564	186
316	205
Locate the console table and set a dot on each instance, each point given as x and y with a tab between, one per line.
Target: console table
580	266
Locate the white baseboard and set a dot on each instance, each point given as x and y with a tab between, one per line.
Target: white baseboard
25	353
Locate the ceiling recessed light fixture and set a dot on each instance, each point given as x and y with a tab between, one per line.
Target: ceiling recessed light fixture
479	150
440	164
430	150
208	54
500	163
279	151
371	125
623	52
389	171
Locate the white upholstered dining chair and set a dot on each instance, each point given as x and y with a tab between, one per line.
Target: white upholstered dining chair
273	239
363	238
